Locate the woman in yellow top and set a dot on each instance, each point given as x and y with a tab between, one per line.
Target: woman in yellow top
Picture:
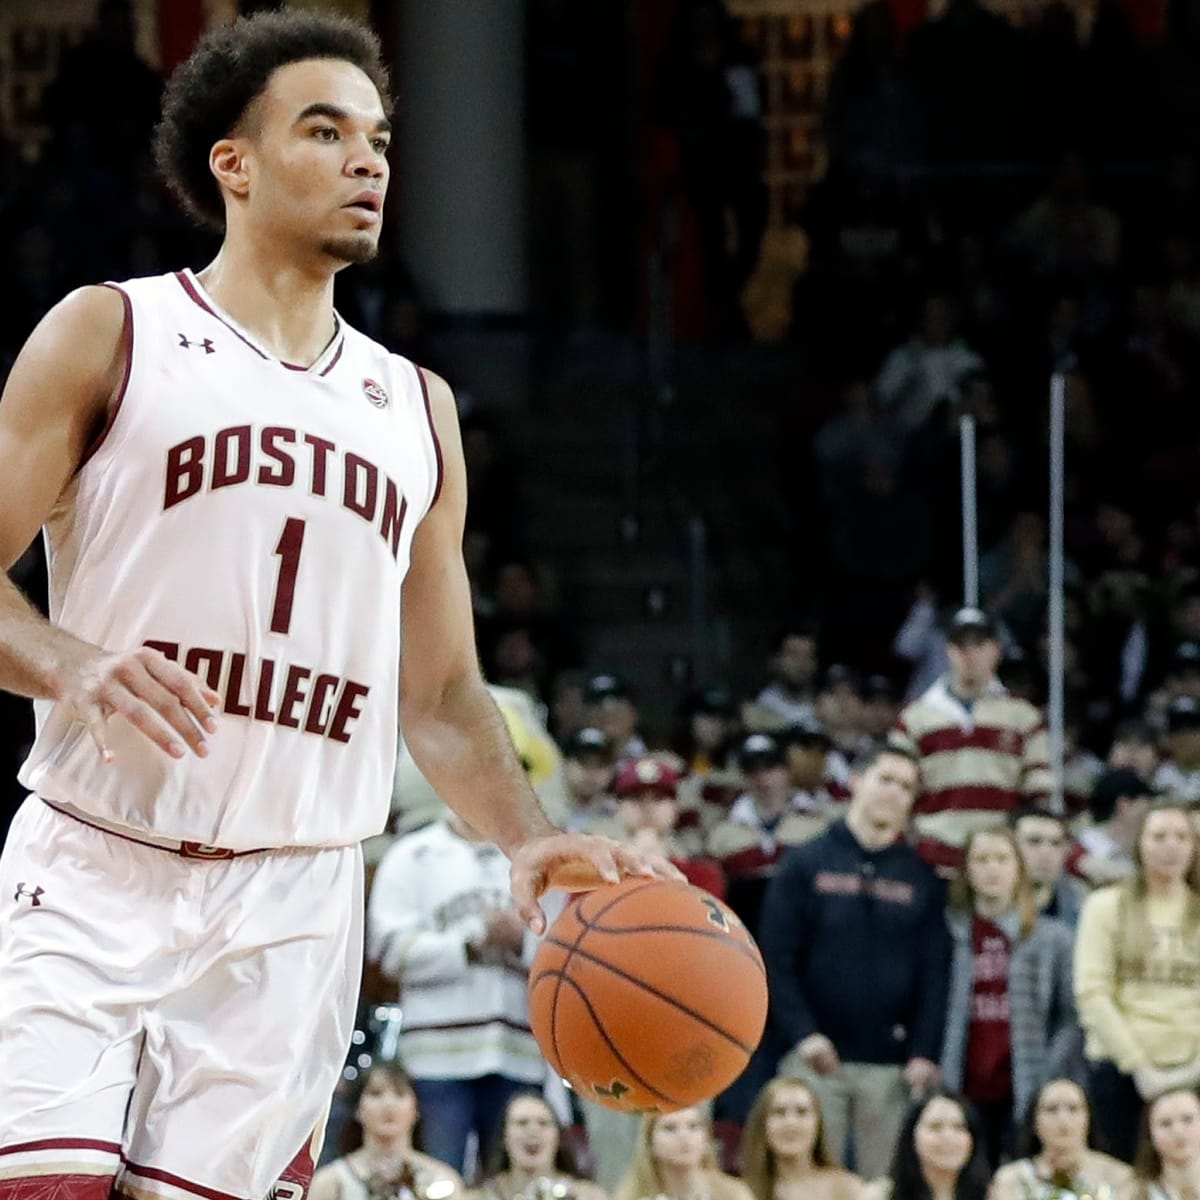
531	1160
1058	1156
379	1160
1137	977
674	1160
784	1155
1167	1166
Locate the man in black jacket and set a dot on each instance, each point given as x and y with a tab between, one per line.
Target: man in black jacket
854	935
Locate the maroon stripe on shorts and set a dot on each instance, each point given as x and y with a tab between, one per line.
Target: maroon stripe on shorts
185	1185
62	1144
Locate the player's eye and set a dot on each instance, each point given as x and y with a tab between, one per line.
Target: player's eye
380	145
326	133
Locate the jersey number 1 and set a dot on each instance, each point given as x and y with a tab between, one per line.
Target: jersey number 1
291	541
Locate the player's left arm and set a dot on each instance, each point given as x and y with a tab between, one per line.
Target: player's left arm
451	725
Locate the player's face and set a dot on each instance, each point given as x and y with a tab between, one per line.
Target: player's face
679	1139
386	1110
792	1123
316	165
1175	1128
1061	1117
531	1135
942	1138
1167	845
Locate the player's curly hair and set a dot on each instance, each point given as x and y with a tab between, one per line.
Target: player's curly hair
208	95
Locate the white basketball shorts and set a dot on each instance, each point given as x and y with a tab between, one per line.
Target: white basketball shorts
176	1024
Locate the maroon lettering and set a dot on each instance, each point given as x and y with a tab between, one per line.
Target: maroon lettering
262	702
293	695
170	649
361	477
185	471
321	450
224	472
348	709
233	690
283	473
318	718
213	660
394	508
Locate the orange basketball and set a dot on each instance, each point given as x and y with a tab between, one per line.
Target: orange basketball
648	995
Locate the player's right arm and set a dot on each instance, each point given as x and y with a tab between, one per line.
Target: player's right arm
60	392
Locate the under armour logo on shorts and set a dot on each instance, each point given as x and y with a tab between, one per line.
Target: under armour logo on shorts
34	896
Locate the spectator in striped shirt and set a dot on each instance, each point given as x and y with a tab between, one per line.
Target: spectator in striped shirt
982	751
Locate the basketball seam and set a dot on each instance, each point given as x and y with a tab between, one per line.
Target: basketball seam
567	962
683	1008
750	952
561	973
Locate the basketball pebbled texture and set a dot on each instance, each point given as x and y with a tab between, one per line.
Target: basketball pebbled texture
648	995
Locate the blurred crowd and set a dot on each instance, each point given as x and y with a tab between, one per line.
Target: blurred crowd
984	965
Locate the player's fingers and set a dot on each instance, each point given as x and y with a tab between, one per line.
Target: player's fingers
652	866
93	719
526	886
143	718
602	854
192	692
169	707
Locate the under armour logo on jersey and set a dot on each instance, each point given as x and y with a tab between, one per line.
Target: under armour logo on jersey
206	345
34	896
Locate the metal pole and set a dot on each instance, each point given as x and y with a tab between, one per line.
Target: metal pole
1055	601
698	578
970	512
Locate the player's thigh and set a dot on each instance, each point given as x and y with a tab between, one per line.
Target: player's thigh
71	946
246	1054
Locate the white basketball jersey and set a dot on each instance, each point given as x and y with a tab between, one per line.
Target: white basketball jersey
252	520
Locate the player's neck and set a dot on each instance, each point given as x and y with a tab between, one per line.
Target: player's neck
284	305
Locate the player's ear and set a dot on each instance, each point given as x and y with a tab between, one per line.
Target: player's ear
227	161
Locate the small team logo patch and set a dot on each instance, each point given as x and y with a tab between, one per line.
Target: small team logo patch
375	392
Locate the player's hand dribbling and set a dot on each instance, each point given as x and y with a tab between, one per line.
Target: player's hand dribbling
576	862
169	705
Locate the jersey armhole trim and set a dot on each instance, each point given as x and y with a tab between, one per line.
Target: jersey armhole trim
114	405
437	445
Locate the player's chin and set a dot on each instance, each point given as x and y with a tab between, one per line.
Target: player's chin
359	247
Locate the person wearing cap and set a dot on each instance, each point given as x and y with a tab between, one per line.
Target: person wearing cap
611	707
1180	776
1135	746
707	748
588	774
982	751
646	811
854	937
880	706
765	820
1103	852
818	773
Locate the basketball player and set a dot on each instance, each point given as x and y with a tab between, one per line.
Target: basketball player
234	487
